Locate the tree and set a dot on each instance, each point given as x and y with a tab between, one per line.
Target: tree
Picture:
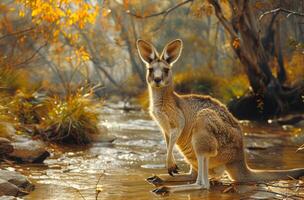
257	45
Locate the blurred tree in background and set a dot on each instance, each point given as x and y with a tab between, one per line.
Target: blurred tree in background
243	51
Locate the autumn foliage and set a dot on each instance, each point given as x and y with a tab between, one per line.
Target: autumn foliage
55	47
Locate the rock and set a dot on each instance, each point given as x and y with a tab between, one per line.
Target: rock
102	138
9	198
14	184
7	188
27	150
103	135
5	146
17	179
22	149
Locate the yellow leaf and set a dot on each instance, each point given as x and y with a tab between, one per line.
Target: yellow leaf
34	12
56	33
21	13
85	57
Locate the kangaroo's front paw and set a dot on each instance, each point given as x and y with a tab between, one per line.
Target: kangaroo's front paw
161	190
155	180
173	169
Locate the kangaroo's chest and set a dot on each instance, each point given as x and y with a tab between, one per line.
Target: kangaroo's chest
166	114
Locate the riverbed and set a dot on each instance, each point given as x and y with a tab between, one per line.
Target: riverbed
121	167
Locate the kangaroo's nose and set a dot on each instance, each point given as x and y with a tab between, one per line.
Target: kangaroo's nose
157	80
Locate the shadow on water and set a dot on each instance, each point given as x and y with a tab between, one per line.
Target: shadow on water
139	151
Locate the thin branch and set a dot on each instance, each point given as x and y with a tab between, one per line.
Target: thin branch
290	12
17	33
222	18
32	56
279	186
97	190
301	148
164	12
289	196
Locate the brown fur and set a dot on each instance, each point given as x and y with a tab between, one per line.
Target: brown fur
199	125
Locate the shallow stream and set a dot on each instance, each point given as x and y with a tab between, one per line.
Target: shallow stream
139	152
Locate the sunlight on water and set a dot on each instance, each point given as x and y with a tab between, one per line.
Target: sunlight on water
139	152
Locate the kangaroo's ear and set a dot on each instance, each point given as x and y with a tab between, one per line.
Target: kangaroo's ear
172	51
146	51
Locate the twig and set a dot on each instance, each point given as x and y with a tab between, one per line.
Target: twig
290	12
300	148
278	186
281	194
164	12
17	33
224	21
96	187
77	190
32	56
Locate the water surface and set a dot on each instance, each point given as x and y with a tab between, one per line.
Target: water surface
139	152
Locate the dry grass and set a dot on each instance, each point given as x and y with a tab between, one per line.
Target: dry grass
72	119
61	118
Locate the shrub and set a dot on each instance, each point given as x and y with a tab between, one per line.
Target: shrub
72	119
195	81
25	107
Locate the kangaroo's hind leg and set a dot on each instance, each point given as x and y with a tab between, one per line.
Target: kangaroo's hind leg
199	184
166	178
205	146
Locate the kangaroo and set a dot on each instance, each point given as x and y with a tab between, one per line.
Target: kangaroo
205	132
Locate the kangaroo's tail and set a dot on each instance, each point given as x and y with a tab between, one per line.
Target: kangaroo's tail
269	175
240	172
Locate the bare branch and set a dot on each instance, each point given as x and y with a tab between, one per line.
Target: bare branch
32	56
301	148
17	33
290	12
222	18
164	12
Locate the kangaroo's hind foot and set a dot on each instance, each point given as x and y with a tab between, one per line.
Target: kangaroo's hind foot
162	179
202	181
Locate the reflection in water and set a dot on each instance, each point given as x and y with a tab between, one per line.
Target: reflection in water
139	152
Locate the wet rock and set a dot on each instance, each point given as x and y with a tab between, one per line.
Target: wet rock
14	184
103	136
7	188
5	146
21	149
27	150
9	198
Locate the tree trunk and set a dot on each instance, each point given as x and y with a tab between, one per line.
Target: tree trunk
268	96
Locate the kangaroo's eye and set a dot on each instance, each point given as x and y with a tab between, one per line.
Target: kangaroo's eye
166	70
150	70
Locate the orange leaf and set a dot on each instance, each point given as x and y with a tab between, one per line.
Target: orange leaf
236	43
126	4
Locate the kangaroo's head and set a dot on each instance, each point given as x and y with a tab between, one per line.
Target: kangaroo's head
159	73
